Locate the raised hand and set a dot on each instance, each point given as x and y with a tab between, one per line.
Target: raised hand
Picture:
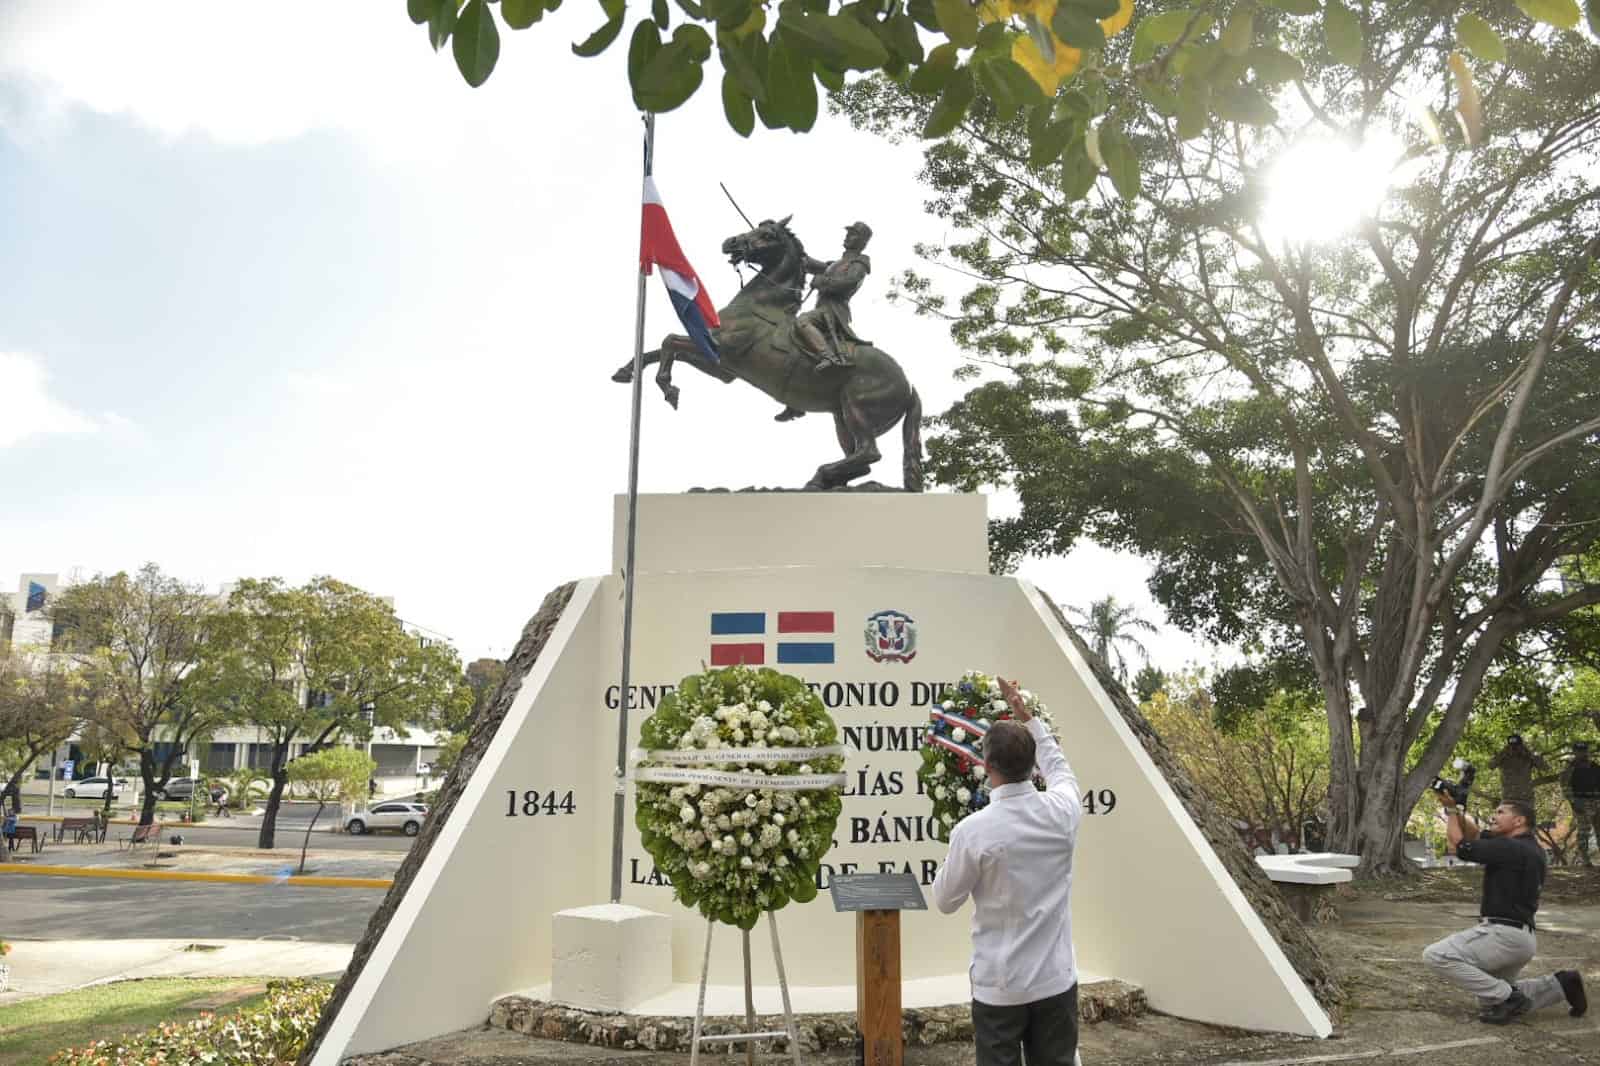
1013	698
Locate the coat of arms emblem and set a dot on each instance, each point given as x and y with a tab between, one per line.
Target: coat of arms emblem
891	637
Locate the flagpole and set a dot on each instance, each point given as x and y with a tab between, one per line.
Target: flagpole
620	795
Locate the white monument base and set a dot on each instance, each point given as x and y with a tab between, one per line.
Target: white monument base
875	601
609	957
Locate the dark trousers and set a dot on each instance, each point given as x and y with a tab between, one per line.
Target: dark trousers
1042	1033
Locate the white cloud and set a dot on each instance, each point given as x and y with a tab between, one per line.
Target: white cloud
27	409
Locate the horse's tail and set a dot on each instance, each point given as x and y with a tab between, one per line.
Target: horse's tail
911	437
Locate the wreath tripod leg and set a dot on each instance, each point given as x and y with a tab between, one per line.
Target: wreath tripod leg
749	1004
783	987
700	1005
791	1031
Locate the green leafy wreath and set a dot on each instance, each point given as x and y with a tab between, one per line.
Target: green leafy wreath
732	846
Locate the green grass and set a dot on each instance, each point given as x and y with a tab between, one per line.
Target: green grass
35	1029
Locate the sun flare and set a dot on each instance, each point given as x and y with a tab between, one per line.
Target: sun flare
1320	190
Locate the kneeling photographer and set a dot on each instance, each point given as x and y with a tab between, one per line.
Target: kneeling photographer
1486	959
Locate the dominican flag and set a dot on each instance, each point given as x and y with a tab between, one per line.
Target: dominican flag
659	247
744	638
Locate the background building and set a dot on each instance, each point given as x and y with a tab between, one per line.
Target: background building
404	762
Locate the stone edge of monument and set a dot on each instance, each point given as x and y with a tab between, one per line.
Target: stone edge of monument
1107	1000
534	637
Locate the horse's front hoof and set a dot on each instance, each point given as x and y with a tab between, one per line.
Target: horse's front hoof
815	485
671	393
624	374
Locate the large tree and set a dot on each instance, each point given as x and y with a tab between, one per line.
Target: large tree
41	701
326	662
1367	453
140	642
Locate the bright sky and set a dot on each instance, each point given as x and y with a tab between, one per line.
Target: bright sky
283	296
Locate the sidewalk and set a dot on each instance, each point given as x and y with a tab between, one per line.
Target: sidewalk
202	861
46	967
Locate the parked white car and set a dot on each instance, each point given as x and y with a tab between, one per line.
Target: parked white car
406	817
95	788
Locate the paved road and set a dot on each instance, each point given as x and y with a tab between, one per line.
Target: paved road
242	833
53	908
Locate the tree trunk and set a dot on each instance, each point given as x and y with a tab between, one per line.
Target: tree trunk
307	842
147	775
280	781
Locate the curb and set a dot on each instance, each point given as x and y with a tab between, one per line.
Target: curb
180	875
209	823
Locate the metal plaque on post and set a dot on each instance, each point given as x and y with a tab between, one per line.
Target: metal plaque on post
876	892
877	900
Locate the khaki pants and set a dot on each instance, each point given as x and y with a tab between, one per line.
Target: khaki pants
1585	812
1486	959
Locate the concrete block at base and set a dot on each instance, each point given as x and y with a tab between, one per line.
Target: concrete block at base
609	957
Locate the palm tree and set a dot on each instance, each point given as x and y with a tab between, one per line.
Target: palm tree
1109	626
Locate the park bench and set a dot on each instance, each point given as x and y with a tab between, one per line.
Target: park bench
26	832
80	828
1308	881
143	834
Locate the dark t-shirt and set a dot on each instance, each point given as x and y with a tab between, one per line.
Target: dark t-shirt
1512	877
1585	781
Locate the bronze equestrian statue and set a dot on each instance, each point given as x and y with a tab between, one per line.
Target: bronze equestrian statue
761	344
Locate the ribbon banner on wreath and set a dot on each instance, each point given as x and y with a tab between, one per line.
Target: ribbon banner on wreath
953	773
738	791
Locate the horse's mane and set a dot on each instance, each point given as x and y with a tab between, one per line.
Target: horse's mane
791	234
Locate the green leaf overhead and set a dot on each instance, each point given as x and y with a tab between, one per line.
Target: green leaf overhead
1343	29
1096	9
935	72
1480	38
520	14
1121	161
958	95
958	20
1077	28
745	60
737	107
1239	33
1243	104
476	42
836	37
1562	13
642	48
1275	67
791	90
601	39
1133	58
441	23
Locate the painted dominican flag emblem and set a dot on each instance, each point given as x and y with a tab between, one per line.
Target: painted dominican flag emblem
891	637
658	246
756	638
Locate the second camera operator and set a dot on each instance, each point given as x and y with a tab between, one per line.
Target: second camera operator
1486	959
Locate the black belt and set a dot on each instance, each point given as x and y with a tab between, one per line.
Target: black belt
1508	921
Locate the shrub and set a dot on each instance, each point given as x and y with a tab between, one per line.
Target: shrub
273	1033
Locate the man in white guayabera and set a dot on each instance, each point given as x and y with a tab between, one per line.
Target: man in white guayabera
1014	858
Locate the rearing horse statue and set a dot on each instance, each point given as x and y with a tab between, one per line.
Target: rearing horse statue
757	345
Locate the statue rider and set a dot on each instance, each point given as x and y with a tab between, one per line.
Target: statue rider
825	329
